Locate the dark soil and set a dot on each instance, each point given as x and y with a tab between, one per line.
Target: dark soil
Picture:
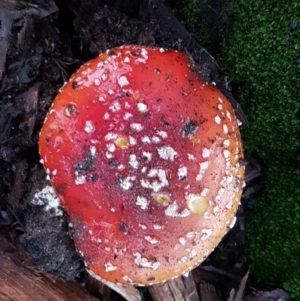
45	42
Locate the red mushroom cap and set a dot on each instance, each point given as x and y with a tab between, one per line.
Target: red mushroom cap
146	160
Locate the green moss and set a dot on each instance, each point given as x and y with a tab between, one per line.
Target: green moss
261	55
274	233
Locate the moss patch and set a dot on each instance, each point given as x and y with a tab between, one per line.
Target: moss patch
260	53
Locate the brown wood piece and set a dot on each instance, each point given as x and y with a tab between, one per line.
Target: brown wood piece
208	292
21	281
237	295
178	289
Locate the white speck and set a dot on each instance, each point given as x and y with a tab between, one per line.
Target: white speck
140	60
203	168
182	240
93	150
220	107
182	173
232	223
109	155
54	172
110	92
101	98
133	161
90	232
192	254
144	53
155	185
48	198
80	179
205	153
146	140
123	81
142	107
96	81
120	251
228	115
136	127
142	226
226	143
126	183
162	134
155	139
104	77
172	209
115	107
157	226
121	167
226	153
191	235
229	205
147	155
177	246
239	122
204	192
225	129
127	279
219	194
191	157
89	127
126	59
111	136
143	262
132	140
206	215
127	116
206	233
106	116
217	119
167	153
161	50
109	267
111	147
144	169
220	100
142	202
107	249
152	240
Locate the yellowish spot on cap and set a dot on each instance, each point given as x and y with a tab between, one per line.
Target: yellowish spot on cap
162	199
136	96
194	140
198	204
122	142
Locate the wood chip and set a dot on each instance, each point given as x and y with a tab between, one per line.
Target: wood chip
21	281
178	289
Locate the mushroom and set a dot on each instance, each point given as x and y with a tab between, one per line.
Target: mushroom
146	159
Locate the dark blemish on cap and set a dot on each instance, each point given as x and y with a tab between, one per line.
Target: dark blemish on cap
190	128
